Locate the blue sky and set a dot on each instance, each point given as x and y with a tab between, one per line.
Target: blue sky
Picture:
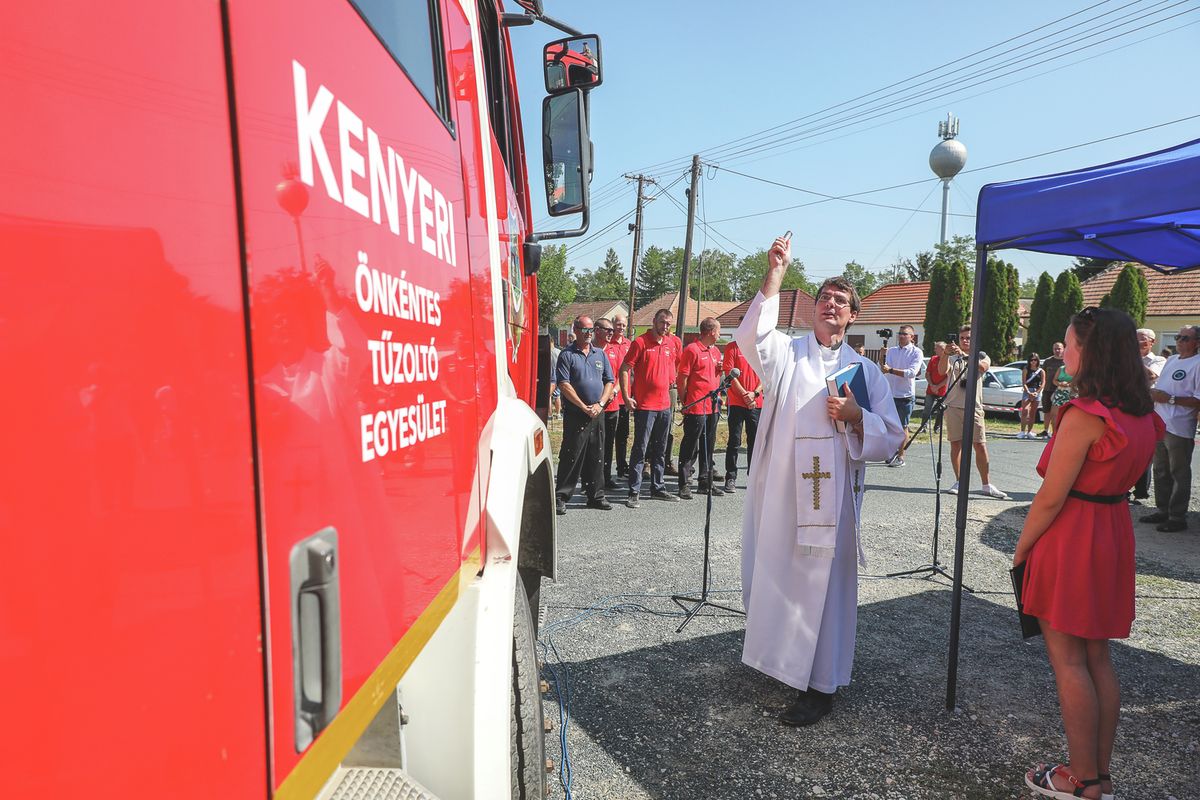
687	77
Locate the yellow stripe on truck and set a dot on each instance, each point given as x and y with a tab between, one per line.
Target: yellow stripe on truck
331	747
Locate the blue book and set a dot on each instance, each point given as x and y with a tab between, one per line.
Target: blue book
850	374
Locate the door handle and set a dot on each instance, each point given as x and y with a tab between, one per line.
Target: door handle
316	634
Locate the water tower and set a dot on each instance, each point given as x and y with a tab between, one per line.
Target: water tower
946	160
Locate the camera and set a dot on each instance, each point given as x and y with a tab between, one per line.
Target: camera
952	338
884	333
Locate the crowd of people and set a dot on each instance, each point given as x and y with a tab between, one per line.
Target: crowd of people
609	386
1117	417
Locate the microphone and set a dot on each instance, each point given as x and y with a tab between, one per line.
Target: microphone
728	379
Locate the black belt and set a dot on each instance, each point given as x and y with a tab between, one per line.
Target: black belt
1106	499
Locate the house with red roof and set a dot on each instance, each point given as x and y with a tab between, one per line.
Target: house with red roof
796	308
1174	300
890	306
643	317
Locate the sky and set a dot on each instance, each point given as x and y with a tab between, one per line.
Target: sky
843	98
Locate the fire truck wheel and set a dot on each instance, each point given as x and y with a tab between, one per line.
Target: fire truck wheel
528	746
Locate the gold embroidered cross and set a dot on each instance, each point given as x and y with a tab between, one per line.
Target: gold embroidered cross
816	476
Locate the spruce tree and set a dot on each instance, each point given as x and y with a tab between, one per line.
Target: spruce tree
1068	299
1035	339
956	301
993	326
1131	294
934	330
1012	318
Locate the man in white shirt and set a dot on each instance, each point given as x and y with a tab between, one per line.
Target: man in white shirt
1177	400
1154	364
900	367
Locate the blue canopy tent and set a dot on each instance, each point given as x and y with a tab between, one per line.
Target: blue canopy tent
1144	209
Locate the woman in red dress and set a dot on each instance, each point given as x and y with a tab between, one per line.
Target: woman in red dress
1078	540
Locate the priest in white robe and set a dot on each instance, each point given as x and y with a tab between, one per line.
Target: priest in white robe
800	529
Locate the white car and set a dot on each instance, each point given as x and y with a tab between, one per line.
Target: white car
1001	389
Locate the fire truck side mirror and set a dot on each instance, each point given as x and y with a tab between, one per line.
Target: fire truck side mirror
573	63
534	7
566	153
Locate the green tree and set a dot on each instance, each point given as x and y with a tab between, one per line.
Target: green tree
556	283
712	275
998	298
1068	299
1028	288
607	282
1131	293
956	299
861	278
1085	268
1043	298
656	276
934	329
1013	316
746	276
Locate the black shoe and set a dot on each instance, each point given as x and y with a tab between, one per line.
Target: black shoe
809	708
1157	516
612	484
1135	501
601	504
1172	525
685	493
705	488
622	472
659	494
632	501
729	487
560	507
670	470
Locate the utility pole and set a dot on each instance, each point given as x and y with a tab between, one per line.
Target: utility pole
636	227
687	248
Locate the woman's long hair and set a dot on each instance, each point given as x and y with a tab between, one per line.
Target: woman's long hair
1029	364
1110	368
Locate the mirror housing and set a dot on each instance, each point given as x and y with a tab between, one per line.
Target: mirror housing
573	63
566	153
534	7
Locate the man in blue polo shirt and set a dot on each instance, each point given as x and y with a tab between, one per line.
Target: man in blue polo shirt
585	379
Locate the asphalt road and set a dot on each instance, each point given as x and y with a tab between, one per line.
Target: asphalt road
653	713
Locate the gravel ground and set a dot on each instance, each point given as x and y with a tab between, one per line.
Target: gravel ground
659	714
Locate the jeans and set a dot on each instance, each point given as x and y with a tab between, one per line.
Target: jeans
1173	475
904	407
739	416
650	430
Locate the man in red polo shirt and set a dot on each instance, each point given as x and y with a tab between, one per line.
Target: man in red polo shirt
699	375
745	401
652	362
612	411
621	435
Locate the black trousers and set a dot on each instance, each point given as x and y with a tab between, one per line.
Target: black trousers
581	456
740	416
616	437
690	448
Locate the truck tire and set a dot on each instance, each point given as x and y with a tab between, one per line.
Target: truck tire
528	737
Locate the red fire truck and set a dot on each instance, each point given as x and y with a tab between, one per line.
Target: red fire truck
276	496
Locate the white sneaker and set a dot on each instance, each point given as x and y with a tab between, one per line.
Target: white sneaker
992	491
953	489
1022	435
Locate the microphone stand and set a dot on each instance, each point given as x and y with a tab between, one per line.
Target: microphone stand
698	603
934	567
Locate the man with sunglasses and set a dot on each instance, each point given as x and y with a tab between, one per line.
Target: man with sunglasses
800	547
585	378
1176	397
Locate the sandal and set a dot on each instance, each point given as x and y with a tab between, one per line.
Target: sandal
1041	781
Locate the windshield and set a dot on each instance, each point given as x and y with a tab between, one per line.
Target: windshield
1009	378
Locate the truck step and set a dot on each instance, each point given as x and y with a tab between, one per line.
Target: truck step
374	783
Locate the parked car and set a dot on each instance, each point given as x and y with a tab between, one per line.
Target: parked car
1001	389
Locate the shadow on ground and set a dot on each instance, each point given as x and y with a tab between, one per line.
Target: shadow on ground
687	720
1157	553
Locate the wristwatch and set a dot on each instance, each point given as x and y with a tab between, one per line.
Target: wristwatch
1171	400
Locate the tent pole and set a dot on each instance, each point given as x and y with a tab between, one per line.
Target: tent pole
964	473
